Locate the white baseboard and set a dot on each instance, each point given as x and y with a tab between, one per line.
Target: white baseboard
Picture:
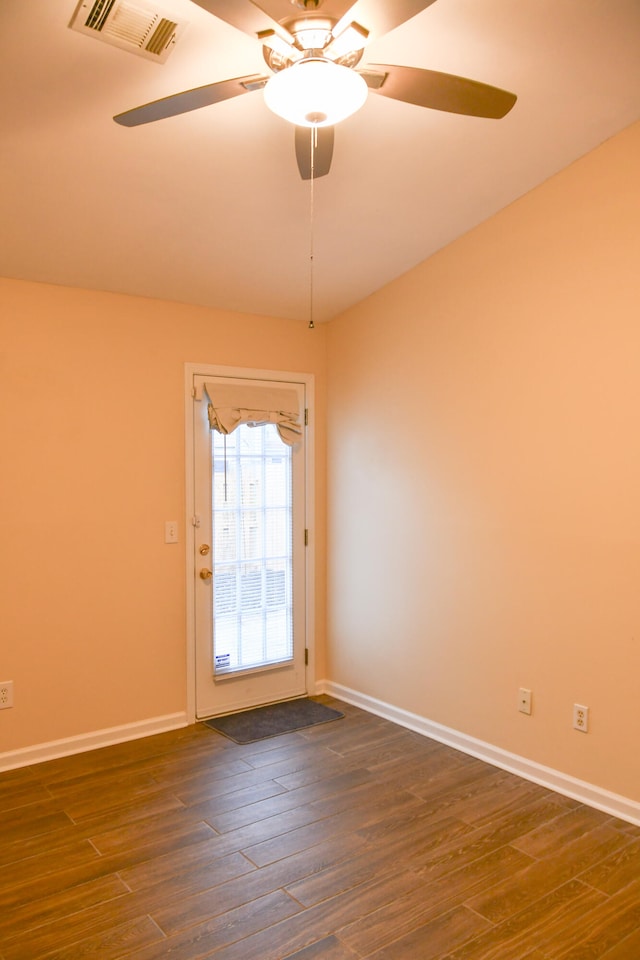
91	741
587	793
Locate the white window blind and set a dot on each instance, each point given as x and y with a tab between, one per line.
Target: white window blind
252	528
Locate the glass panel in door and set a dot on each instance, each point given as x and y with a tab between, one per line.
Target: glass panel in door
252	550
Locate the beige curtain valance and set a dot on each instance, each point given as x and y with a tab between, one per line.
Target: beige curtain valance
231	405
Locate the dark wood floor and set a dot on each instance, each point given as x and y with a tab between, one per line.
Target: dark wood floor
355	839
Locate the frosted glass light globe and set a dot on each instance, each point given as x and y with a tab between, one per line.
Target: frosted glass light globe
315	93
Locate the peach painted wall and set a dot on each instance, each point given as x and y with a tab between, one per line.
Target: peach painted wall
484	478
92	601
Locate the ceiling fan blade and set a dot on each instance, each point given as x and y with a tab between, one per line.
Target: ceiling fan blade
381	16
322	151
439	91
254	17
189	100
283	10
243	14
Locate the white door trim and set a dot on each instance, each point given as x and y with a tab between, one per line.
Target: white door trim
246	373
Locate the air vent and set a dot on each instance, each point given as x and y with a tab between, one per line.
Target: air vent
136	27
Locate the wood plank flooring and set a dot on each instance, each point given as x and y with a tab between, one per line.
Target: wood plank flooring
351	840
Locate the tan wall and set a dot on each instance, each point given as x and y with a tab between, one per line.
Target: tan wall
92	601
484	478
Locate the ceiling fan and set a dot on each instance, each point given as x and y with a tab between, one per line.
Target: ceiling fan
313	49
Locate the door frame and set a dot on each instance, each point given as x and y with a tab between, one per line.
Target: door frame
247	373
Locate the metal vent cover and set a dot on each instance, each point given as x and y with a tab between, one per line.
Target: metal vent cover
137	27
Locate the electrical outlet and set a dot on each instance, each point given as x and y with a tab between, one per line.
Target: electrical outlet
6	694
524	700
580	717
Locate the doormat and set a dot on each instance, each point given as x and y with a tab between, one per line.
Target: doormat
273	720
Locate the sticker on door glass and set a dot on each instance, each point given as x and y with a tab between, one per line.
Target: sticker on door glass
222	661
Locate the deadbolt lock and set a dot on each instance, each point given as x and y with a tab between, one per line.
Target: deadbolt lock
204	549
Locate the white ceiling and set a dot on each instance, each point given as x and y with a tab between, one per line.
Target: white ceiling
208	207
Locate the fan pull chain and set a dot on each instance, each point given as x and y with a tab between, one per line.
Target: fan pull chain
225	467
313	142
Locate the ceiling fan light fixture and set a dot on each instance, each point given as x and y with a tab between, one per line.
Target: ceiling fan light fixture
280	45
310	37
315	93
352	38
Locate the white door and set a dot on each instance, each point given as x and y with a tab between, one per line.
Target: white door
249	561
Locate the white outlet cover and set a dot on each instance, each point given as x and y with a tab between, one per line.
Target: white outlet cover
524	700
6	694
580	718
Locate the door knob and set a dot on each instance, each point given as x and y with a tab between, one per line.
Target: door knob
205	574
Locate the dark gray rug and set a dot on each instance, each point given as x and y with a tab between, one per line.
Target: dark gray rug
273	720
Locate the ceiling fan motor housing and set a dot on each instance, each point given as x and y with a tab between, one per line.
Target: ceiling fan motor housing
312	37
